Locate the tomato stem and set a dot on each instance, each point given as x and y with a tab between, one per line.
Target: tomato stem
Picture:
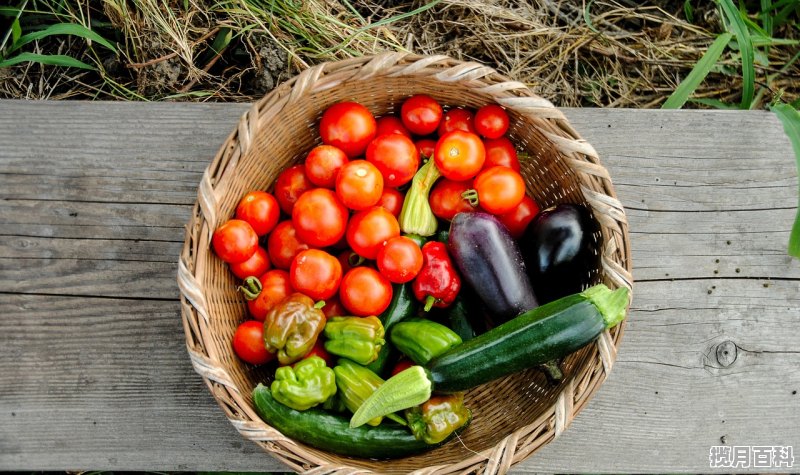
471	196
250	288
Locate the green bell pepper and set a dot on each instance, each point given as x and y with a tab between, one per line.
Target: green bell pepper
357	338
422	340
434	420
309	383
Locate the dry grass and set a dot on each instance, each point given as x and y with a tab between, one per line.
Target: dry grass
625	55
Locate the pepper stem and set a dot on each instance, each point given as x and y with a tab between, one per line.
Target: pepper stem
552	370
406	389
250	288
319	304
429	301
471	196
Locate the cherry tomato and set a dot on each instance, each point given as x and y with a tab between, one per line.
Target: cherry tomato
426	147
248	343
260	209
517	220
364	292
283	244
459	155
390	124
501	152
395	156
421	114
275	286
457	119
334	308
359	184
369	230
402	365
316	273
290	184
255	266
319	218
348	126
319	350
392	200
499	189
235	241
323	164
400	260
491	121
446	200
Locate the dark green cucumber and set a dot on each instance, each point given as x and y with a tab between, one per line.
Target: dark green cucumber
403	305
332	432
543	334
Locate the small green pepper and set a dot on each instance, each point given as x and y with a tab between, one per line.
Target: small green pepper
305	385
291	327
357	338
355	384
434	420
422	340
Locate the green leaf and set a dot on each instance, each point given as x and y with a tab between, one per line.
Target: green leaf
742	33
685	89
688	11
766	16
63	29
16	31
221	40
715	103
587	18
51	59
791	125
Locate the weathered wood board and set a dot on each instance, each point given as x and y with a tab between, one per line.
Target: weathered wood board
94	197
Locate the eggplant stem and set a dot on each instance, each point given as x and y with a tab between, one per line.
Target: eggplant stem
250	288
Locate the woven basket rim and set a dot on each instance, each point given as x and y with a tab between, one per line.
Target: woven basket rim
578	155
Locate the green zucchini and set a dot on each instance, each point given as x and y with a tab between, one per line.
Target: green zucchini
403	305
332	432
537	336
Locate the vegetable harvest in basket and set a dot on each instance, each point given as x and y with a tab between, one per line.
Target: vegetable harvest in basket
399	266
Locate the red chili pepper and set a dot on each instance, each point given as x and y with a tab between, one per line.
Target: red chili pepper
438	282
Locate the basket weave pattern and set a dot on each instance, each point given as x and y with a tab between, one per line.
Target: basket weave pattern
513	417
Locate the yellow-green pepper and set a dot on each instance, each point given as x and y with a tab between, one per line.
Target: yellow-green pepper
292	326
433	421
357	338
309	383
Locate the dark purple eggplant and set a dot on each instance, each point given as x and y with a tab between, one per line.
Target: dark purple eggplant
490	261
557	248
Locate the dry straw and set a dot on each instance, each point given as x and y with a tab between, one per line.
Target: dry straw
513	417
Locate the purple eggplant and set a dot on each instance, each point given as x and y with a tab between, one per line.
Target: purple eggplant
490	261
557	248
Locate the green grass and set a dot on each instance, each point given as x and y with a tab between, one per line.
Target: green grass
790	119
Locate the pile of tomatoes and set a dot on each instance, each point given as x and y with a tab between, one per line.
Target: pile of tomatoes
329	229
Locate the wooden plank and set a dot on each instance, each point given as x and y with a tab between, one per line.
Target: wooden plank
93	207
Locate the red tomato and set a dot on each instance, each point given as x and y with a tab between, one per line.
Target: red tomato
260	209
421	114
390	124
255	266
323	164
359	184
235	241
283	244
319	350
395	156
446	200
400	260
402	365
425	147
457	119
491	121
289	185
334	308
459	155
248	343
501	152
499	189
316	273
392	200
369	230
348	126
319	218
275	286
517	220
364	292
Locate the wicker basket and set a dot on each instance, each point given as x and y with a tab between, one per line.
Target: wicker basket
513	417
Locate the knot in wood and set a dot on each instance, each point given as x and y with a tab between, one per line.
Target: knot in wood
726	353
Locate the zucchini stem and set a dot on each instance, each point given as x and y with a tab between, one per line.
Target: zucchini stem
610	303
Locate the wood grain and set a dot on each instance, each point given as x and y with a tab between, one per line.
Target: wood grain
95	374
